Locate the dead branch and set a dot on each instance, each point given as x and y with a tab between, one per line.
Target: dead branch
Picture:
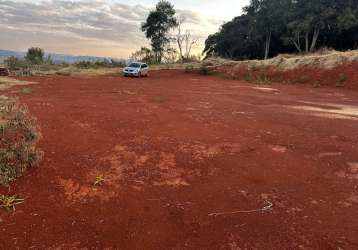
265	208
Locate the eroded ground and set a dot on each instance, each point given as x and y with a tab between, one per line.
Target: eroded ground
189	162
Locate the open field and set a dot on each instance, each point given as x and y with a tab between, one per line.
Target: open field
184	161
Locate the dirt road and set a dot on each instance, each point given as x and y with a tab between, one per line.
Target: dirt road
189	162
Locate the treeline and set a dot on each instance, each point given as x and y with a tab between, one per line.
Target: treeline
269	27
35	58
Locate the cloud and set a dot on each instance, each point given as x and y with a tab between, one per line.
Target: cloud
96	27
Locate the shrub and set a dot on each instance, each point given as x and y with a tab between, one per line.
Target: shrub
35	56
203	70
248	76
14	63
342	78
99	64
26	90
302	79
189	68
19	136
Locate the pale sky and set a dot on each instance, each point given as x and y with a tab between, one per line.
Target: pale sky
100	27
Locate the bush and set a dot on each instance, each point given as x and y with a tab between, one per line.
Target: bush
99	64
189	68
203	70
342	78
19	136
35	56
14	63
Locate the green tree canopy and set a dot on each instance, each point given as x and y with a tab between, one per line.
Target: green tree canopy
35	55
269	27
157	26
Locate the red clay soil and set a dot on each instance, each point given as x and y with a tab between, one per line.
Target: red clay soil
342	76
176	148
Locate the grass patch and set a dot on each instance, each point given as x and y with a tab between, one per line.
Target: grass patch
248	76
203	70
99	180
342	78
7	82
9	202
60	73
189	68
302	79
19	136
26	91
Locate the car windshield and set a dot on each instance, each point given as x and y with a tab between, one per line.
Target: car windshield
134	65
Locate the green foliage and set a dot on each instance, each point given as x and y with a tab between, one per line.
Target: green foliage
13	63
189	68
342	78
144	55
203	70
35	56
97	64
19	136
269	27
157	26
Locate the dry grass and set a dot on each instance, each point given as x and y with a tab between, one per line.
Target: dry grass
326	60
72	70
19	136
9	202
8	82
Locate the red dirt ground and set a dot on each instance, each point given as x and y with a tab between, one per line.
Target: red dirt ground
173	149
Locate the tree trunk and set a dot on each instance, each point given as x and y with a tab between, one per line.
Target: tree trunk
297	42
307	37
298	47
314	39
267	45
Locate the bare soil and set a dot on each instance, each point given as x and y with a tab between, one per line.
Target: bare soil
189	162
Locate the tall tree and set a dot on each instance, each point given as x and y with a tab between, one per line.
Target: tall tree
35	55
269	27
157	26
310	18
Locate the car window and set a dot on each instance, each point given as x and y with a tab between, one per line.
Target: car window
134	65
144	66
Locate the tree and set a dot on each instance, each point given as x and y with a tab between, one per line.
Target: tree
143	55
157	26
35	55
237	39
310	18
14	63
269	27
185	41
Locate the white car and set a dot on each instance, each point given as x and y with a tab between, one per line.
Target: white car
137	69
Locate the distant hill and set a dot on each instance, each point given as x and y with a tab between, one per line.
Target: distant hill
57	58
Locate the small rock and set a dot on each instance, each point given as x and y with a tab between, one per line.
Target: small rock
329	154
353	167
314	202
279	149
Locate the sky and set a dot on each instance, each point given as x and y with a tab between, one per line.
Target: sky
108	28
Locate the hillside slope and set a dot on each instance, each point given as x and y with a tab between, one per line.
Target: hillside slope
336	69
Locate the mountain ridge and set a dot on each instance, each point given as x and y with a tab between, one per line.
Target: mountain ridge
56	57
